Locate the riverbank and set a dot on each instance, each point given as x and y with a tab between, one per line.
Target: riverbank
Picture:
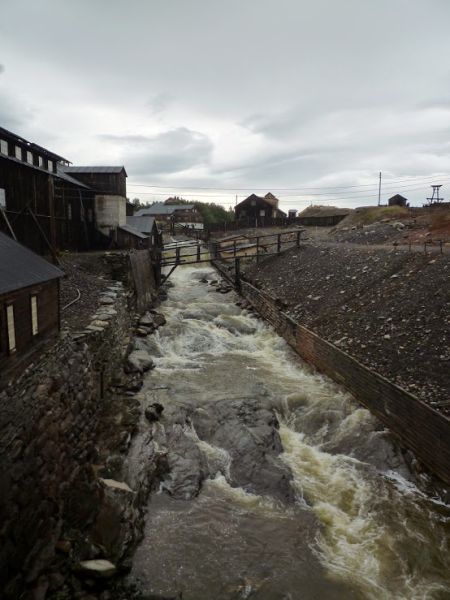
387	308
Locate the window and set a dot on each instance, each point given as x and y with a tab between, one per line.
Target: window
29	157
34	316
18	152
262	213
253	203
2	198
11	328
4	147
69	212
40	162
50	165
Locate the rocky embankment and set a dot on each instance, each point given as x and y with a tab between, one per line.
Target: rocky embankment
389	309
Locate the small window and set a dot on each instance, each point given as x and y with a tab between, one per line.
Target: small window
2	198
69	212
40	162
4	147
34	316
11	329
29	157
18	152
50	165
262	213
253	203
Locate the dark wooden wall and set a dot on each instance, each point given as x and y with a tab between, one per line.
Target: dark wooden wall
48	321
64	212
106	183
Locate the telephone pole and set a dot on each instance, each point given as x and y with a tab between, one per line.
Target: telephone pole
379	191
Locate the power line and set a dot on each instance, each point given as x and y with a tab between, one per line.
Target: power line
278	189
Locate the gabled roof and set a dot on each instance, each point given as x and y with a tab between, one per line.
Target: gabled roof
143	224
116	169
398	197
266	200
133	231
159	208
21	268
60	172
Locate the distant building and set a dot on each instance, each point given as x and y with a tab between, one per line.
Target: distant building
29	302
292	213
257	210
398	200
146	226
171	212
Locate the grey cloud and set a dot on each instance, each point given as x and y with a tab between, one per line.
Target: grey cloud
168	152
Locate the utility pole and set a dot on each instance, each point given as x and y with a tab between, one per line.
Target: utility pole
379	191
435	195
236	200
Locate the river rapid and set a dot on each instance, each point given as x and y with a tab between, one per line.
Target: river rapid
279	485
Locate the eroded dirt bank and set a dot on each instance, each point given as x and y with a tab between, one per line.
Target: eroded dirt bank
389	309
277	484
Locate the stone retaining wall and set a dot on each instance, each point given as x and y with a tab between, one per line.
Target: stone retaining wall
48	424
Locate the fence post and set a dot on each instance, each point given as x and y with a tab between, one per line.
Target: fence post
198	251
298	238
279	243
234	248
177	255
237	272
257	249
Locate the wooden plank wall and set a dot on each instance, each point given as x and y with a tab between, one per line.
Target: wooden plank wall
48	320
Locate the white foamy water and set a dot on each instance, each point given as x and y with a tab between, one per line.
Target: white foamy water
375	535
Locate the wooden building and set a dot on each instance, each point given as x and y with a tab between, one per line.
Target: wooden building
43	207
29	303
398	200
256	211
170	212
147	226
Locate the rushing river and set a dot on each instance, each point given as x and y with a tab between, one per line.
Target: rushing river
280	485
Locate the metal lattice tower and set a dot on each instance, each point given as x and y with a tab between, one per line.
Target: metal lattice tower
435	195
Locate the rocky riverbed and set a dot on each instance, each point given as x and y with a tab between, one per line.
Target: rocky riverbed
275	483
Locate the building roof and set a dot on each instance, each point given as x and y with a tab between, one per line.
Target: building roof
143	224
21	268
60	172
5	134
133	231
159	208
269	201
399	197
116	169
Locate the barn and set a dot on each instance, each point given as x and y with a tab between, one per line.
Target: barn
29	303
257	210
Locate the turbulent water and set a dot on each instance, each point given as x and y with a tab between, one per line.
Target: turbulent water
352	525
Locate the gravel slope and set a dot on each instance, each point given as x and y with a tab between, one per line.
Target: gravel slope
387	308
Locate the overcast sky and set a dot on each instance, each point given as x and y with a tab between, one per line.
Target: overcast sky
258	94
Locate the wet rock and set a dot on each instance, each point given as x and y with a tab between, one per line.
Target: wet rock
159	320
248	431
154	412
97	568
138	362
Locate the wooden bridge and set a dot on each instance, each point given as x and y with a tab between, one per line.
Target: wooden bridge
232	248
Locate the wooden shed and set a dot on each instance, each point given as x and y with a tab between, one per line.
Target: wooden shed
29	302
